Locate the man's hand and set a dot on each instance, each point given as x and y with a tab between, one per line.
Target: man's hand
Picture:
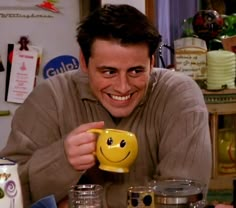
64	203
80	146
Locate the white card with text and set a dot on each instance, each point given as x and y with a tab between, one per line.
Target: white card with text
22	78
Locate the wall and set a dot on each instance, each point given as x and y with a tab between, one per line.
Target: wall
139	4
54	32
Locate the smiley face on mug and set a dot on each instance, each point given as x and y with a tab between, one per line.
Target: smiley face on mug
116	149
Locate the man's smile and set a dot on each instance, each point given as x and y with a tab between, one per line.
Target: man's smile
120	98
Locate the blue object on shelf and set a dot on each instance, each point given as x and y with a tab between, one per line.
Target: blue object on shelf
46	202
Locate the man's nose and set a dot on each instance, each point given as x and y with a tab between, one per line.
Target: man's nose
123	84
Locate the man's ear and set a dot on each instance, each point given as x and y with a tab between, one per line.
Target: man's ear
152	62
82	62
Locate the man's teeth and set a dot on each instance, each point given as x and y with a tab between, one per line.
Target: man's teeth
115	97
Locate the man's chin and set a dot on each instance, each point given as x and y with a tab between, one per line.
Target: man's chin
120	113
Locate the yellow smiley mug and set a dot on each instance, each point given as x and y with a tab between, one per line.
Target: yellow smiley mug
116	149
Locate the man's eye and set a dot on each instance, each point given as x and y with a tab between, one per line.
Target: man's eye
109	72
136	71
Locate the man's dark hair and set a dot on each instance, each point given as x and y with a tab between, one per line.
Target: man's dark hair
122	23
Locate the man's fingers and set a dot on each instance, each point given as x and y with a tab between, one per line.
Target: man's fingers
87	126
85	162
81	145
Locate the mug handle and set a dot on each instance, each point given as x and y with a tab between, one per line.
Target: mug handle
98	131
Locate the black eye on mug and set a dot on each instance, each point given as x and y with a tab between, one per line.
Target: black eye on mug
122	143
147	200
134	202
109	141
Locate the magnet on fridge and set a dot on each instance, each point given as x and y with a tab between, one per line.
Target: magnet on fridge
4	113
24	43
1	65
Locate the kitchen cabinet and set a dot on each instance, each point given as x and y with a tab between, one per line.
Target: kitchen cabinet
222	121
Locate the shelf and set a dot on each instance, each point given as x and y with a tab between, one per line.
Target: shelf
222	182
222	109
221	106
224	96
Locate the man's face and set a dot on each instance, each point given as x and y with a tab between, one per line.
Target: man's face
119	75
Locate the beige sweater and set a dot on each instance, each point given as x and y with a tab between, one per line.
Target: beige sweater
171	124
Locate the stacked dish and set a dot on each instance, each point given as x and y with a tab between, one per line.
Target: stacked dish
220	69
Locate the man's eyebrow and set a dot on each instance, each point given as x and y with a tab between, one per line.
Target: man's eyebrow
114	68
136	67
106	67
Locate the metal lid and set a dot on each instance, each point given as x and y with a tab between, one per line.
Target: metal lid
177	191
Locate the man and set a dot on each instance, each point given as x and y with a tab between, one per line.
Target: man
116	87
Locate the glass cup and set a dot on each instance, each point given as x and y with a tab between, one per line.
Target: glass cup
140	197
85	196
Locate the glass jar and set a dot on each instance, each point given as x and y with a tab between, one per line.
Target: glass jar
178	193
140	197
85	196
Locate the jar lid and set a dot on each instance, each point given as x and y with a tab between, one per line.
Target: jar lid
177	191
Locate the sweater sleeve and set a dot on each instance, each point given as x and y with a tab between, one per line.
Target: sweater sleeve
36	144
185	145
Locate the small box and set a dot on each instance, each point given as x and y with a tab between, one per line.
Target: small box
190	57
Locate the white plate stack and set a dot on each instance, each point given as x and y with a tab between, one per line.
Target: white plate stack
220	69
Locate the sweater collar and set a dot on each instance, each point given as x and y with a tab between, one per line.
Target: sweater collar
82	85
